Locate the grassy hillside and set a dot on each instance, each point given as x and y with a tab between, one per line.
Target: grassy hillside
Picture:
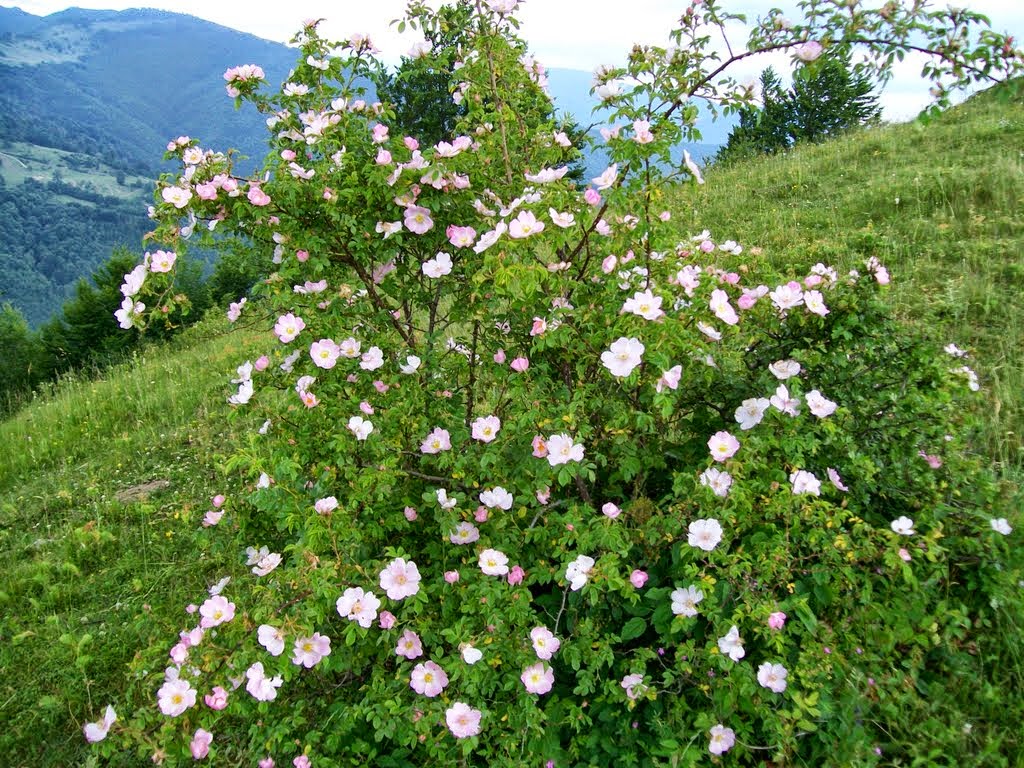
93	566
101	489
940	204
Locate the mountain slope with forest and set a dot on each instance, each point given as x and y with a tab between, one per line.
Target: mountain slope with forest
89	101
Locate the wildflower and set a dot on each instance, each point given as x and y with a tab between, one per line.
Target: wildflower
732	644
462	720
723	446
400	579
409	645
538	678
97	731
772	677
704	534
623	356
428	679
561	449
684	601
493	563
175	696
578	571
261	687
903	525
271	638
545	644
634	686
722	739
717	480
358	606
486	428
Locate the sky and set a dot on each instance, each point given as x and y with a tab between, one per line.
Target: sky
569	34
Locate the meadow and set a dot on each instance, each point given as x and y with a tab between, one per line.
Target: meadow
104	482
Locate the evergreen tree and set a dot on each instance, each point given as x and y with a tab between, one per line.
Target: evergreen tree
827	98
19	350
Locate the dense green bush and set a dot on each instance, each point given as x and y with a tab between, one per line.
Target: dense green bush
535	478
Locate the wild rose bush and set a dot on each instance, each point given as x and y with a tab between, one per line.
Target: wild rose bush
535	477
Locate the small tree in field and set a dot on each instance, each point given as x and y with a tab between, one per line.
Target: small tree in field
536	478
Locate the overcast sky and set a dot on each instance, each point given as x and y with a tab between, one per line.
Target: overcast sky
571	34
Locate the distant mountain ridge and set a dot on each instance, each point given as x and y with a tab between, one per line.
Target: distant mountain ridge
127	81
103	92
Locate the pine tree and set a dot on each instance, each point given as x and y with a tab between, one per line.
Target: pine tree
827	98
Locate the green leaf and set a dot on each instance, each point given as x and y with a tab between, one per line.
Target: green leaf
633	629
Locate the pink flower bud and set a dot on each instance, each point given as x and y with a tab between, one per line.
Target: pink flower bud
610	510
481	514
451	576
262	363
516	575
287	155
520	364
380	386
410	514
366	408
905	555
665	215
777	620
302	256
608	265
707	246
218	501
411	144
387	619
540	449
592	197
638	578
499	356
543	495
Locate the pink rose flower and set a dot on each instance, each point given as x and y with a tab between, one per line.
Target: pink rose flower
777	620
520	364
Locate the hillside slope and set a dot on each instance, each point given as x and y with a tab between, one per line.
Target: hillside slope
939	203
88	577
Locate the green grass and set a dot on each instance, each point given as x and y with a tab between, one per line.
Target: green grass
86	580
940	204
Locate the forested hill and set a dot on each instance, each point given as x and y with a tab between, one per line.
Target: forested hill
88	102
119	84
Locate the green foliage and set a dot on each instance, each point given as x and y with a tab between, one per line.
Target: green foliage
594	455
21	356
420	89
937	202
826	99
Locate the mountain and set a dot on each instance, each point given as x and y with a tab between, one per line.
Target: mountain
120	84
88	103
